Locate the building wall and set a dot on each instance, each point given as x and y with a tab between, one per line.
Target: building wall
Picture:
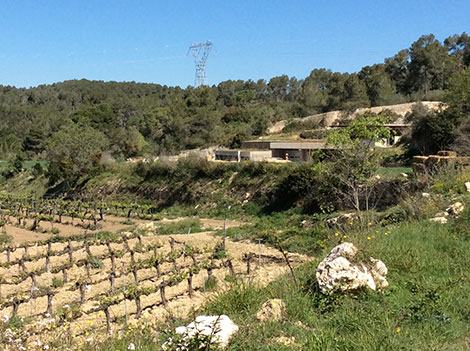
259	155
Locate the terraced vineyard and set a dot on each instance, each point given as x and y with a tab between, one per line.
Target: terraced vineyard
78	286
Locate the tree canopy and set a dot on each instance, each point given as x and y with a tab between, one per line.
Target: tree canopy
135	119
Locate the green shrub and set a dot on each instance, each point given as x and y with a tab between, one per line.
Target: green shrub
57	283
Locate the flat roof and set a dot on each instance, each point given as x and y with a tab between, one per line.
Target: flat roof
286	141
306	144
233	151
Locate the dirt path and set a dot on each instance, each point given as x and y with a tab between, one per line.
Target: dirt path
69	227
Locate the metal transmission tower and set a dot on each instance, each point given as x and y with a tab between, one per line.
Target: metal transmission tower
200	52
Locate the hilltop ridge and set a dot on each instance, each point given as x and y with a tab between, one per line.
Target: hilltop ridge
327	119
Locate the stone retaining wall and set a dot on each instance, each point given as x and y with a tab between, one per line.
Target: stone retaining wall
425	164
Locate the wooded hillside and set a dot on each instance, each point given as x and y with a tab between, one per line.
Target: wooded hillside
76	125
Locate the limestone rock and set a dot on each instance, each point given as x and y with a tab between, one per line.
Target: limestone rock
466	186
442	214
345	218
273	310
455	208
379	272
441	220
347	250
220	327
337	273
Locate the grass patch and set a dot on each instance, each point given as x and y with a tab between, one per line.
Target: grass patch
295	232
181	227
5	239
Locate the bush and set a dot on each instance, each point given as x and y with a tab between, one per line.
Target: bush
306	187
187	341
448	179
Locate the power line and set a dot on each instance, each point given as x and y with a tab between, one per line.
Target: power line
200	51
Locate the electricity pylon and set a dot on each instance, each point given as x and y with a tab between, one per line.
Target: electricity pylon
200	51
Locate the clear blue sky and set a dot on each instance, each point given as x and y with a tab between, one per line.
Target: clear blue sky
46	41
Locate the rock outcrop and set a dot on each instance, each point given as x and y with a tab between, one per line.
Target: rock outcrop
273	310
221	328
466	187
342	219
337	273
330	118
455	209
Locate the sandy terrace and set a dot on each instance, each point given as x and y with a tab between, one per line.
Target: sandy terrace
112	224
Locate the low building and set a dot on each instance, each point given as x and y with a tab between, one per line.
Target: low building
292	150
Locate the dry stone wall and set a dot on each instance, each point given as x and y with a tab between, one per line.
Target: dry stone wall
423	165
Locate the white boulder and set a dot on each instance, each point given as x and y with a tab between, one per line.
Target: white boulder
466	187
337	273
442	214
221	328
440	220
455	208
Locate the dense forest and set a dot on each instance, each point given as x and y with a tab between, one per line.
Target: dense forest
77	124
